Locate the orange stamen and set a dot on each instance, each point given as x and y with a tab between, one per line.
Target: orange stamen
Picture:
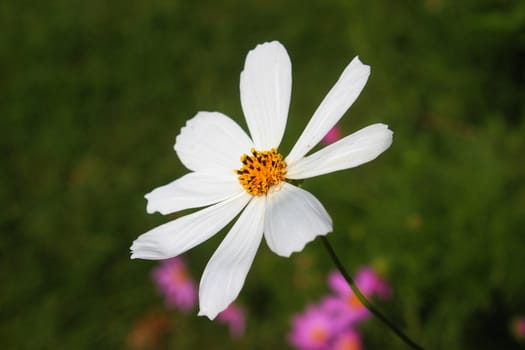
261	171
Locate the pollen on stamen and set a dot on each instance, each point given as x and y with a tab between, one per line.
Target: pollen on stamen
261	170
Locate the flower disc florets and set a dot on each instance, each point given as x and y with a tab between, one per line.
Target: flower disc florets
261	170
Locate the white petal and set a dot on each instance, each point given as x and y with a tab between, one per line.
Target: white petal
226	271
333	107
351	151
211	141
182	234
266	85
193	190
293	218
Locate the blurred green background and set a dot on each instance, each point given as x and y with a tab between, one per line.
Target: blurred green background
93	93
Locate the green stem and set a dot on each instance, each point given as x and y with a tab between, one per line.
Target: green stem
362	298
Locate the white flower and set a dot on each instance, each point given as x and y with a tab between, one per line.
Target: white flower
232	173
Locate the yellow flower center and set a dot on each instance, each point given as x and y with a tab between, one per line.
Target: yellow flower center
261	170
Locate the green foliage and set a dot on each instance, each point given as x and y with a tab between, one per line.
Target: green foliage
93	93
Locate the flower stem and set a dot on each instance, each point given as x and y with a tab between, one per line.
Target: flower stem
363	300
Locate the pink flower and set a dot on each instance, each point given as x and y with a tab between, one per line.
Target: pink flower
366	279
330	324
518	328
175	283
372	284
311	330
234	317
348	340
345	305
332	136
344	312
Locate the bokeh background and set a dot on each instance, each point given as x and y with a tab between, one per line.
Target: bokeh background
93	94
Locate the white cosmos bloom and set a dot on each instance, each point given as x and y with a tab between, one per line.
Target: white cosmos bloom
232	173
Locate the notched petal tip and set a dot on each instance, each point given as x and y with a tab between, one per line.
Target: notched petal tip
357	60
135	250
190	124
357	65
387	136
150	208
300	247
267	46
210	316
